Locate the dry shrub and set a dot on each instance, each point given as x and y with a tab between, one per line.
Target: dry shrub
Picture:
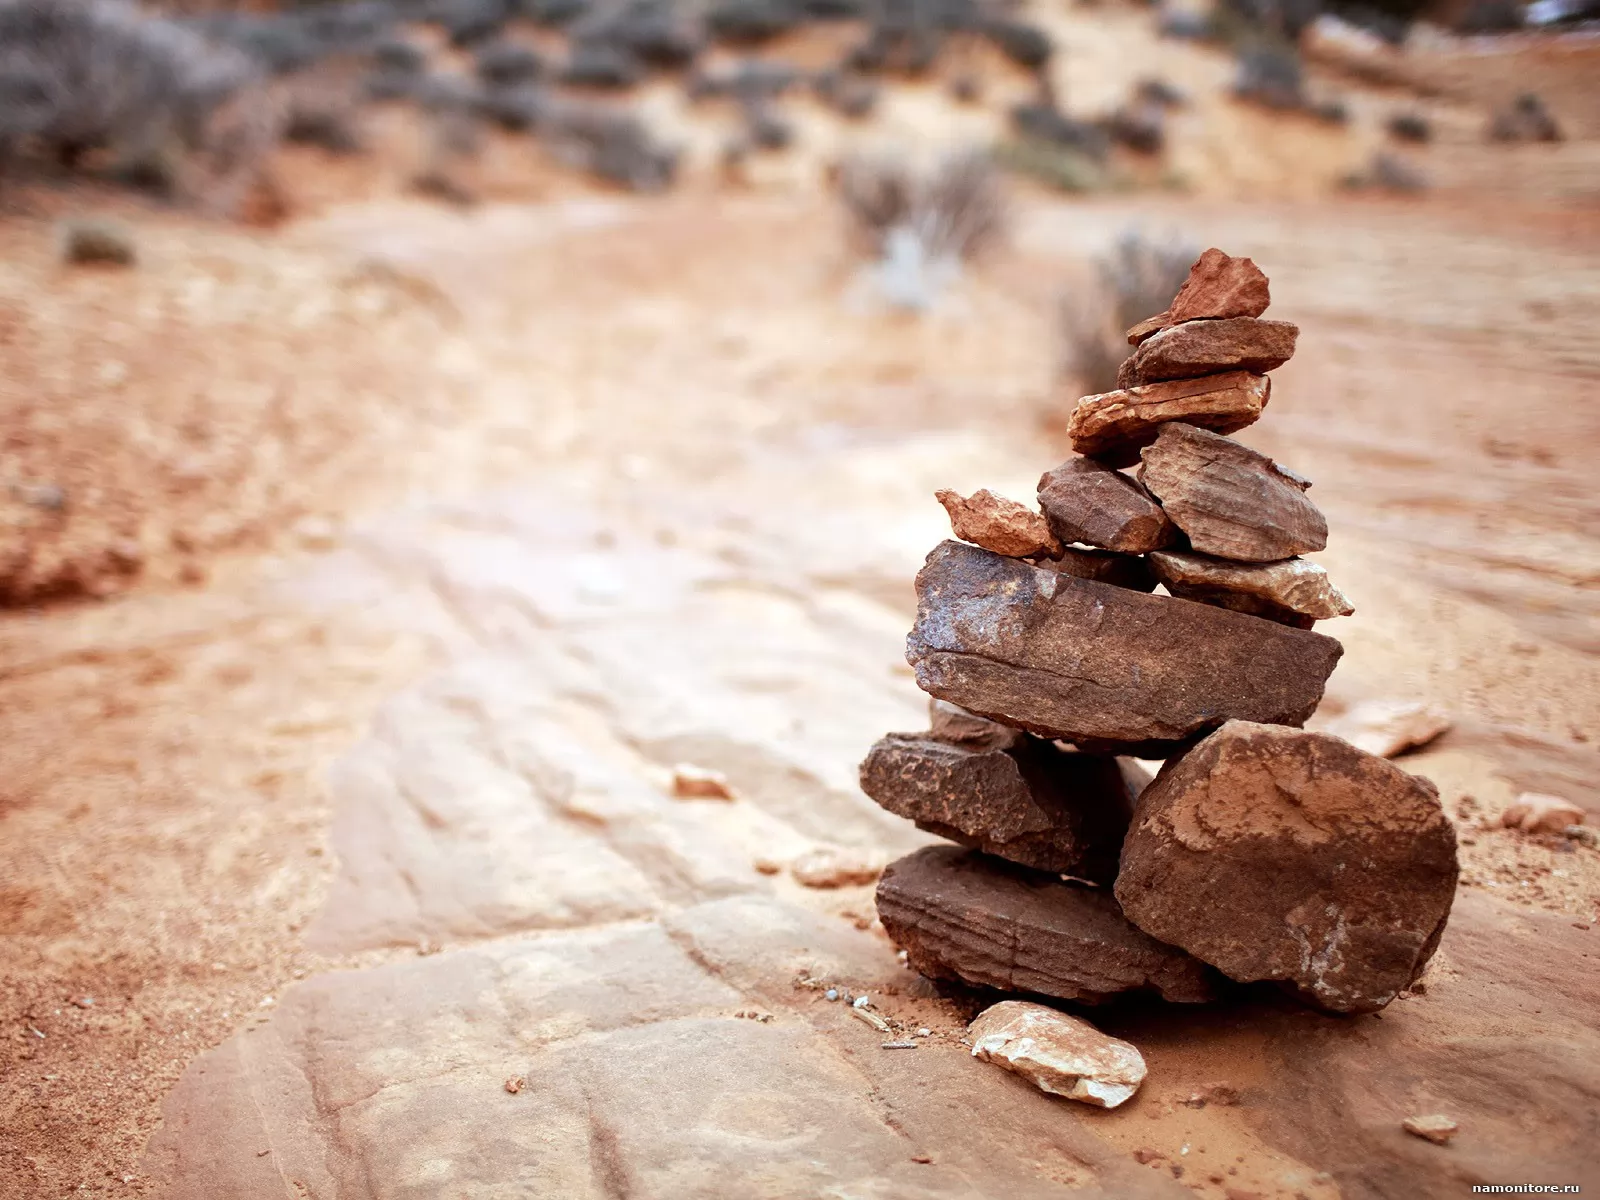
1136	279
953	211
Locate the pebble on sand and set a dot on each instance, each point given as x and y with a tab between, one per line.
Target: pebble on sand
1389	727
1536	812
690	782
1058	1054
101	243
1435	1127
836	866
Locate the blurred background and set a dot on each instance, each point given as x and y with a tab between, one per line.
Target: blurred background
404	400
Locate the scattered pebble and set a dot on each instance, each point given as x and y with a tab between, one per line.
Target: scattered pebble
83	1001
768	866
831	994
921	1158
1435	1127
924	1032
1224	1094
690	782
861	1001
836	866
1536	812
899	1045
751	1014
516	1083
1586	834
871	1018
103	243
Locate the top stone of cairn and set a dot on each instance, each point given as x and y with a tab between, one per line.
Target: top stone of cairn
1219	286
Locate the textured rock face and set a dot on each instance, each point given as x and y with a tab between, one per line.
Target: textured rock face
1220	285
1285	855
1294	591
1104	566
1032	804
1086	501
963	915
998	524
1085	662
951	723
1230	500
1114	425
1197	348
1058	1054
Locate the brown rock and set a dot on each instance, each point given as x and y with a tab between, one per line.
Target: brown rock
690	782
1105	566
1148	326
951	723
1230	500
1278	854
1294	591
1220	285
1086	501
1077	660
998	524
1033	804
1114	425
963	915
1197	348
1536	812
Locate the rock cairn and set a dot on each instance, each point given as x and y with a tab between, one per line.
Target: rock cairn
1260	851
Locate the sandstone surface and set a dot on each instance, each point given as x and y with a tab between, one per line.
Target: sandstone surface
1059	1054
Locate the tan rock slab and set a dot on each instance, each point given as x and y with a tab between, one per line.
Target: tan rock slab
1197	348
1389	727
836	867
1536	812
1434	1127
1089	502
959	914
1030	803
690	782
1293	591
998	524
1232	501
1083	661
1057	1053
1278	854
1113	426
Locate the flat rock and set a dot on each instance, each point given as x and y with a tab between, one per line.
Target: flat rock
1082	661
1277	854
1112	426
1058	1054
1389	727
966	916
1232	501
1293	591
951	723
836	867
1149	326
1032	803
1087	501
998	524
1197	348
1105	566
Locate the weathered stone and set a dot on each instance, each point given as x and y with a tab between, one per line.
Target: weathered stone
1086	501
1389	727
1058	1054
1535	812
1077	660
963	915
836	866
1278	854
998	524
1434	1127
1114	425
1219	286
1105	566
1198	348
690	782
1230	500
1294	591
1032	803
951	723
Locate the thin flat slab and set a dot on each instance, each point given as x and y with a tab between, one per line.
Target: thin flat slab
1077	660
1197	348
1059	1054
1278	854
1112	426
962	915
1232	501
1089	502
1294	591
1030	803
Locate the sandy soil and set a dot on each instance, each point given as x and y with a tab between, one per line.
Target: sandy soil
285	430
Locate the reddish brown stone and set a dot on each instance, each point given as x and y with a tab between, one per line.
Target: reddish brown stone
1105	566
1220	285
998	524
1089	663
1031	803
1114	425
951	723
1198	348
962	915
1277	854
1086	501
1294	591
1232	502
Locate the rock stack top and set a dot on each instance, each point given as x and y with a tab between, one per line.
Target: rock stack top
1261	852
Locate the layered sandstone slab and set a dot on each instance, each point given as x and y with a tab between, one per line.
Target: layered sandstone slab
1112	426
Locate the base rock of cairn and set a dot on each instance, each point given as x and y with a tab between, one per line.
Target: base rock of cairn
1260	852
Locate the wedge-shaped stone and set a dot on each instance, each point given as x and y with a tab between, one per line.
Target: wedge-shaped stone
1031	803
1089	502
1057	1053
1114	425
1294	591
1277	854
1083	661
962	915
1105	566
1230	500
1197	348
998	524
1219	285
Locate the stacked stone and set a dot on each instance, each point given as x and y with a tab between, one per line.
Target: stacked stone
1260	851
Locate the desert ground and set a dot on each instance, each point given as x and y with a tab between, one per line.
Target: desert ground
399	552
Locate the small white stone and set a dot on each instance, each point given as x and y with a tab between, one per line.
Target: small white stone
837	866
1061	1055
861	1001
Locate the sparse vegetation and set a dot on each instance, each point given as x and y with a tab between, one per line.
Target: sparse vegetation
1525	119
953	211
1136	279
97	242
1409	127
